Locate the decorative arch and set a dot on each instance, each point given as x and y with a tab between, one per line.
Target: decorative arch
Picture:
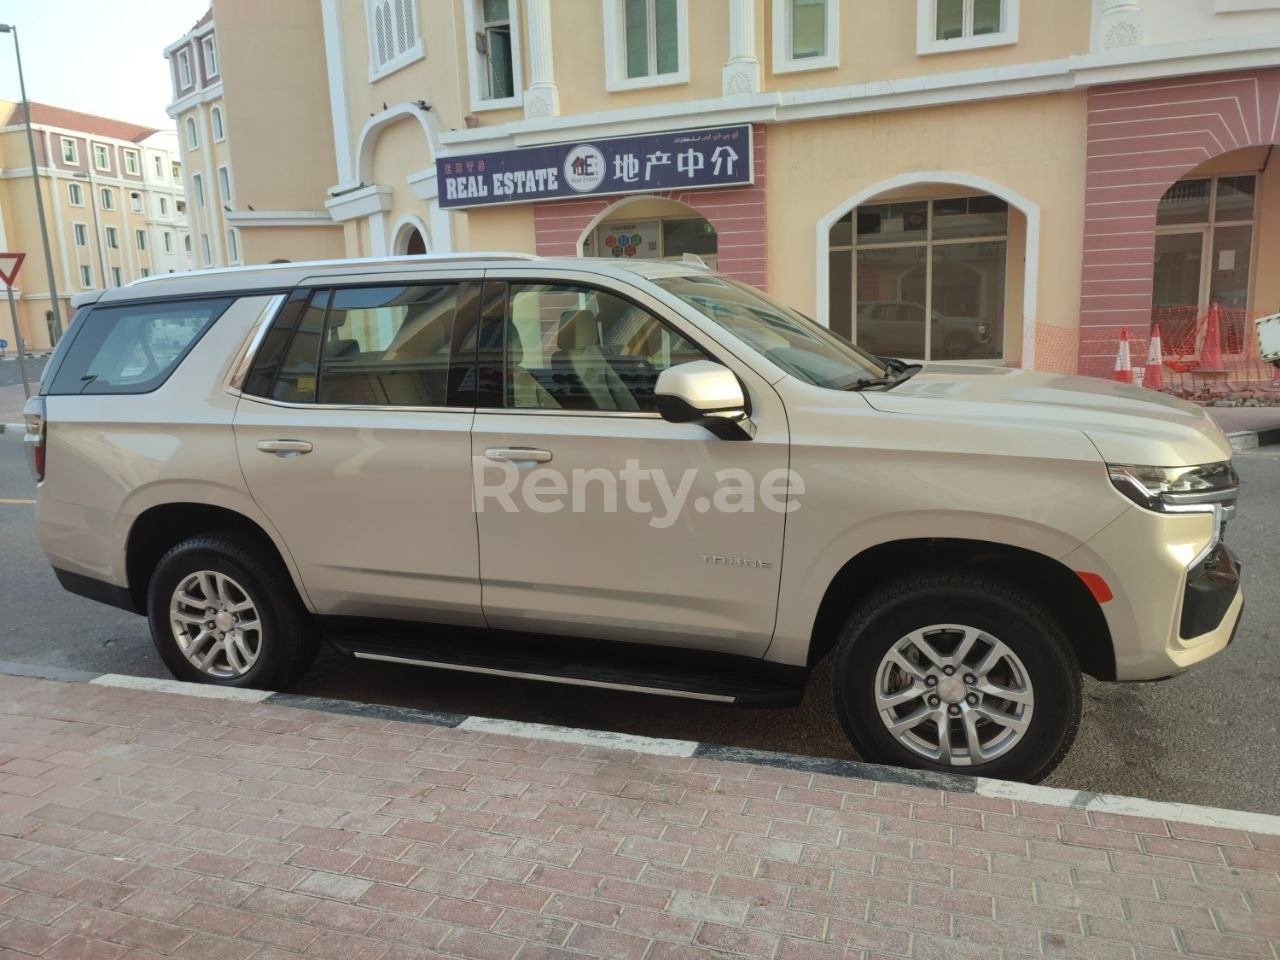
1142	138
374	126
403	229
1029	209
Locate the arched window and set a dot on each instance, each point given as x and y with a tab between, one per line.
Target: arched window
192	140
219	133
393	33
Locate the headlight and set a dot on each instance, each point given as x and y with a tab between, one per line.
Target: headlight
1207	488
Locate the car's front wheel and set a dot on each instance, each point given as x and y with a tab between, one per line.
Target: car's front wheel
221	613
957	673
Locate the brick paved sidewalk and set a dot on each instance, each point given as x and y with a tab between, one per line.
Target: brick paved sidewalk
141	824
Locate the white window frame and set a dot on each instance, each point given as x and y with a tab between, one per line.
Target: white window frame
233	245
144	272
175	167
75	150
476	62
197	187
193	136
117	277
164	206
86	276
206	257
209	47
159	165
103	151
184	68
131	161
218	122
413	52
112	237
80	233
140	239
75	194
783	61
135	201
927	29
108	198
226	187
168	241
615	51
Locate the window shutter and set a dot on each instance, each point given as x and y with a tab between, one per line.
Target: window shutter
404	25
382	27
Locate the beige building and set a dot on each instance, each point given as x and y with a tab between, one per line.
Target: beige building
113	203
1010	181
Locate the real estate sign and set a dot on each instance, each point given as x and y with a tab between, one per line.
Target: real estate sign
681	160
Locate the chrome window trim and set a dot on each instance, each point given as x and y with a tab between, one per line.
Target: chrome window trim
355	407
527	411
252	342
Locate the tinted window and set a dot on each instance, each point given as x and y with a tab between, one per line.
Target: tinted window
388	346
296	380
575	348
133	348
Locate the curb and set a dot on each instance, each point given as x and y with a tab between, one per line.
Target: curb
1252	439
1262	823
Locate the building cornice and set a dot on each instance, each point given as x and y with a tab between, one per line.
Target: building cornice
279	218
203	95
1079	72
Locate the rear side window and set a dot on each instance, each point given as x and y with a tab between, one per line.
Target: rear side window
133	348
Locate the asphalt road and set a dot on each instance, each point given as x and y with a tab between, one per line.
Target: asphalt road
1211	736
9	368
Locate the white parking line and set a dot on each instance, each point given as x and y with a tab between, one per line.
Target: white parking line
587	738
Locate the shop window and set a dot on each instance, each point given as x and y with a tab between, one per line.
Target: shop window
806	35
646	43
1204	248
393	36
658	239
948	25
892	265
495	54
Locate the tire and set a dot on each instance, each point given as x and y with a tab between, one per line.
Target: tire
957	346
284	642
1040	662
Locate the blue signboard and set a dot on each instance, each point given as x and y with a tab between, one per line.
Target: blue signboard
683	160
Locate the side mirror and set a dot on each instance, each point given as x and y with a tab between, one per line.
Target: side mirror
707	394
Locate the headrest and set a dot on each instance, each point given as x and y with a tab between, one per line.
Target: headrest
579	332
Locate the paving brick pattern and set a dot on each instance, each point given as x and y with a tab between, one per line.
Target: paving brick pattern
142	825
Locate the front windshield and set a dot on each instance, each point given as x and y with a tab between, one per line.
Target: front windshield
795	343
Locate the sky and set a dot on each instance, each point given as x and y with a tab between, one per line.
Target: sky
99	56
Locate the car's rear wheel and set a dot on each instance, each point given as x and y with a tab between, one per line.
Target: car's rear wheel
957	673
221	613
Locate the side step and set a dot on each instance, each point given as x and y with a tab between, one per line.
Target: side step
609	665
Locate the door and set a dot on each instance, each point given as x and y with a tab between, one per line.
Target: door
596	517
354	437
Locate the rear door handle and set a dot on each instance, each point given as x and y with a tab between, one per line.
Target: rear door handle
286	449
518	454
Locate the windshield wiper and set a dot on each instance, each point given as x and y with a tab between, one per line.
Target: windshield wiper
872	384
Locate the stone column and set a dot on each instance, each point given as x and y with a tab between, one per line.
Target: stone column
742	69
542	99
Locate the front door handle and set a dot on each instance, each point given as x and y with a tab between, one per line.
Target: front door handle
285	449
518	454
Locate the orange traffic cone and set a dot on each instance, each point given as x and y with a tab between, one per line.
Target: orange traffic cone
1154	377
1211	350
1124	364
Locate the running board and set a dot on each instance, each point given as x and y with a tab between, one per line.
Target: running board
605	665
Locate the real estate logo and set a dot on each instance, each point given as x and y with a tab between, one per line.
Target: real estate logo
584	168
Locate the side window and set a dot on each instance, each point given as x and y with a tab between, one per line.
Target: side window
296	380
576	348
133	348
388	346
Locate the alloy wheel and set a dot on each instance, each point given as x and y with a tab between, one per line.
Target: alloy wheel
216	625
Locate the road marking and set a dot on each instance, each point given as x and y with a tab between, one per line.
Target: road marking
12	502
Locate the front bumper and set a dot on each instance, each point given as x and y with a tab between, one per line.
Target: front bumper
1169	612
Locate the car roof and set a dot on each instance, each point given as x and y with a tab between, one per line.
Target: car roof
278	276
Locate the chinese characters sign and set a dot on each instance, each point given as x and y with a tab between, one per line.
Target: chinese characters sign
665	161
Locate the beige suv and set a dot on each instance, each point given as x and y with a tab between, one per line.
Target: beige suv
636	476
